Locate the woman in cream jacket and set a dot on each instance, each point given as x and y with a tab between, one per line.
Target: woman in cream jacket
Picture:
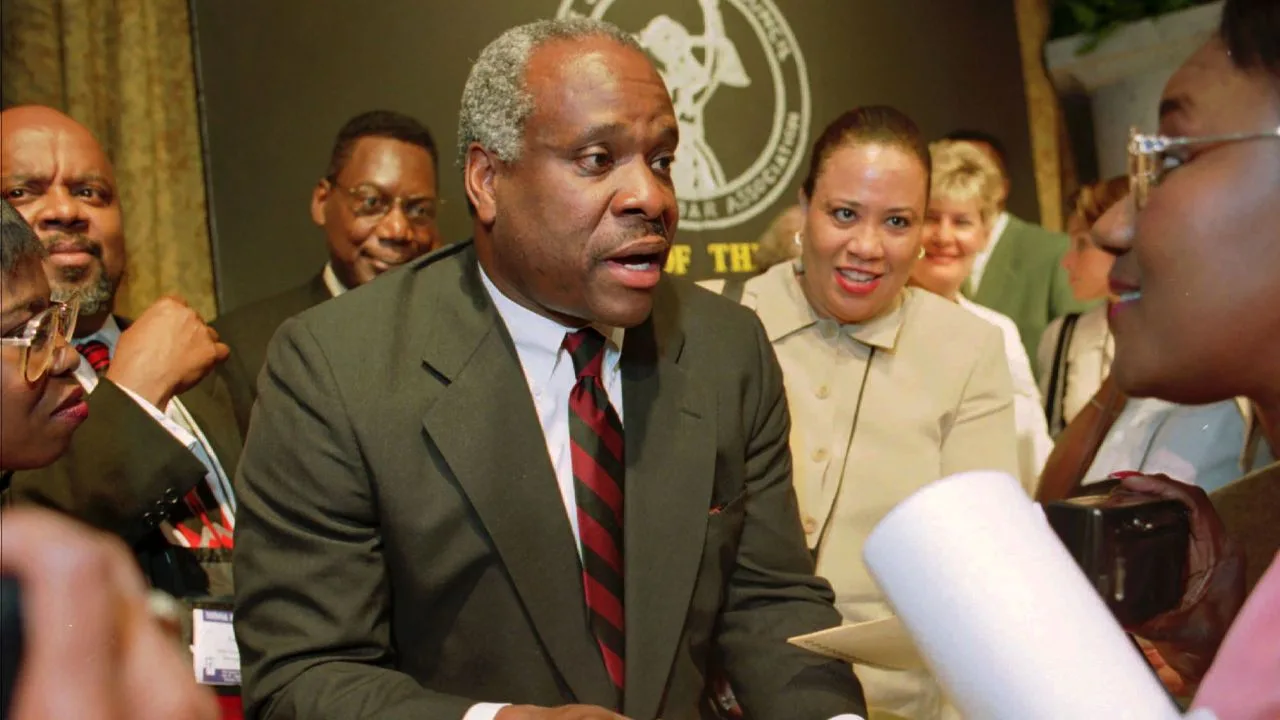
889	387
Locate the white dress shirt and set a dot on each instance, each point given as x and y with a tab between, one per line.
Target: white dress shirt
1196	444
177	422
1034	443
984	256
548	369
332	282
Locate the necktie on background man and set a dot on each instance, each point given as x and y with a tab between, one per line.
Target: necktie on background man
596	447
199	525
96	354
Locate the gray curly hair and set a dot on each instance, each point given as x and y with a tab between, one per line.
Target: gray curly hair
495	101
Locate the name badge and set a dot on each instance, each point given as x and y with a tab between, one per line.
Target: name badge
217	658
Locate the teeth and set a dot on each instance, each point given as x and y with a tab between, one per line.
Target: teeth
1127	296
856	276
638	267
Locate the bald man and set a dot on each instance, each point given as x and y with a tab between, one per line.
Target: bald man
151	464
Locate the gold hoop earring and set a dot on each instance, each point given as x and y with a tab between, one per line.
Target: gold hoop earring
920	256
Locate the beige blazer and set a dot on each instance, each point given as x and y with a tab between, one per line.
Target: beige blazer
879	410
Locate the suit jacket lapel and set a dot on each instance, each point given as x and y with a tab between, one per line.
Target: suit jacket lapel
482	421
317	291
670	461
998	277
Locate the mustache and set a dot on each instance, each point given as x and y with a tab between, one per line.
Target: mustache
72	242
641	228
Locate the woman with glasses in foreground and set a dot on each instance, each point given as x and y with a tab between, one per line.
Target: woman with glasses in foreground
41	403
91	646
1196	319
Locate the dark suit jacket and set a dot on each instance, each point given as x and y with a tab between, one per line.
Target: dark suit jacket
402	550
247	331
124	473
1024	279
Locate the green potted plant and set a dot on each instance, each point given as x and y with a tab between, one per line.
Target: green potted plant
1097	19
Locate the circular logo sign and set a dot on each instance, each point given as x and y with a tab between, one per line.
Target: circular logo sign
741	96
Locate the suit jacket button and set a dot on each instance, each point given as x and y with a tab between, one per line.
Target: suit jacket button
171	495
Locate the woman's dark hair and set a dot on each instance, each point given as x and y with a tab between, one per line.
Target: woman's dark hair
1251	31
18	242
878	124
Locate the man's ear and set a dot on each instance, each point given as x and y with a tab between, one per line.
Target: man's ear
479	175
319	196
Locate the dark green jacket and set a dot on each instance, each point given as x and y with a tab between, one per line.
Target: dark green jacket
1024	280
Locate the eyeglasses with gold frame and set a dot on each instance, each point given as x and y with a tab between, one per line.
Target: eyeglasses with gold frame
39	338
367	201
1148	155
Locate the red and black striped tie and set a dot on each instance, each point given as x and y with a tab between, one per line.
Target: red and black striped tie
97	354
595	435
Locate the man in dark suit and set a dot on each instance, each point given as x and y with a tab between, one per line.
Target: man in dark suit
1019	273
530	469
153	461
377	205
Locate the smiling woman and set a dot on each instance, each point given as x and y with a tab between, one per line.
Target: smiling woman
40	401
1196	319
889	387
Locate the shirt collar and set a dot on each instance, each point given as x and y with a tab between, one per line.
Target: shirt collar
108	334
332	282
784	310
538	338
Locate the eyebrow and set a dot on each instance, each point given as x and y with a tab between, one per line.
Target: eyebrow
594	133
903	210
669	134
25	178
93	178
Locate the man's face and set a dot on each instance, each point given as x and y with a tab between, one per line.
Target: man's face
580	225
1195	279
368	231
55	174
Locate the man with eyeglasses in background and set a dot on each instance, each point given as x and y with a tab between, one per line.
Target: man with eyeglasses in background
377	204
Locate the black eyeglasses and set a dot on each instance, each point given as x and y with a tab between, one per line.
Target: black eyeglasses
1148	155
40	337
367	201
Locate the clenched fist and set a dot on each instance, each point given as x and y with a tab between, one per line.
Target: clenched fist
166	351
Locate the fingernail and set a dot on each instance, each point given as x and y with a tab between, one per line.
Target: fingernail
1122	474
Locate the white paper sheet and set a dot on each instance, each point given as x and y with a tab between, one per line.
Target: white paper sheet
1000	611
883	643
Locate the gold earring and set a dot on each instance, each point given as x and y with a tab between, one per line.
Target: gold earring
921	255
796	237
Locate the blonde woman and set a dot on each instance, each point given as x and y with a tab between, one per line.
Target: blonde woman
889	387
963	202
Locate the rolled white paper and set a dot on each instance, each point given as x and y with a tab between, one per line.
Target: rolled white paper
1001	612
